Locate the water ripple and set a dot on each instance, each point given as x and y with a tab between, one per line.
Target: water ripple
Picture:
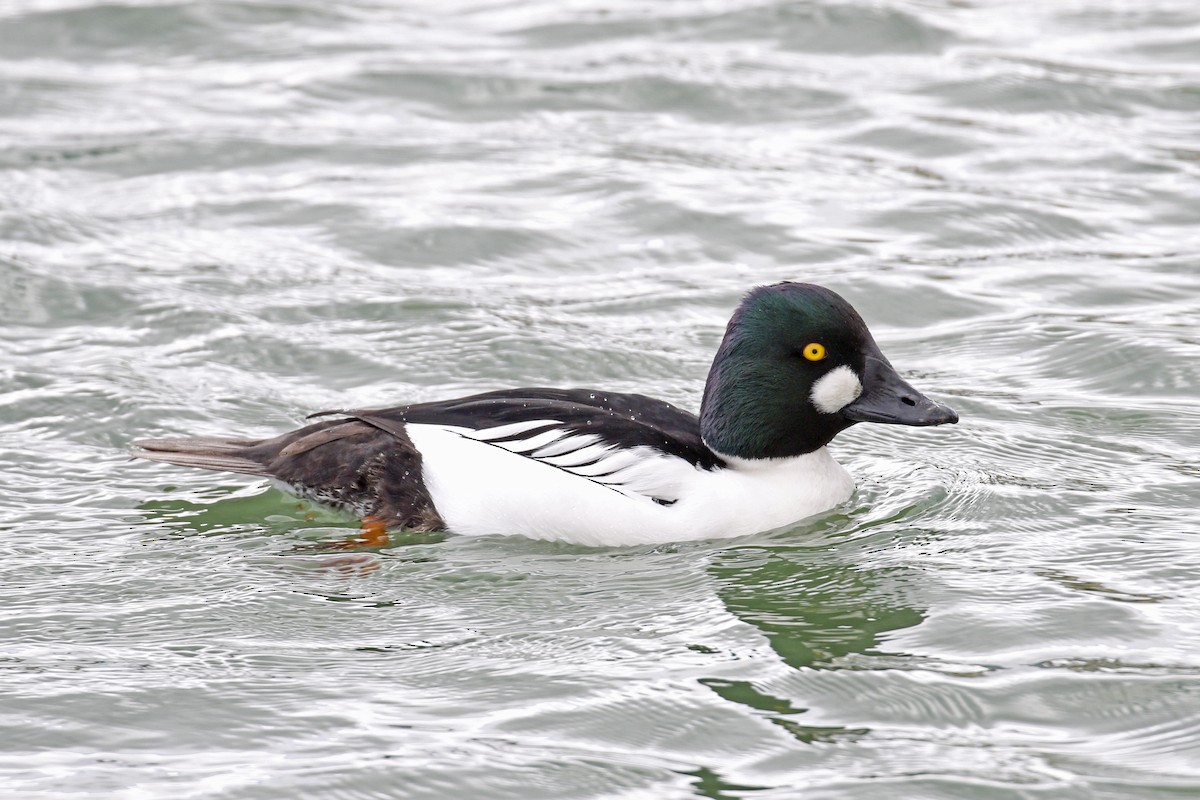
217	218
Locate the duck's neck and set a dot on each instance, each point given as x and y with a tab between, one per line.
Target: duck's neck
754	410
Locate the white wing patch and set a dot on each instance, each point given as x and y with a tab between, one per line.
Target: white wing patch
631	471
512	429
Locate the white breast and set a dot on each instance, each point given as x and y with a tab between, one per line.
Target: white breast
485	487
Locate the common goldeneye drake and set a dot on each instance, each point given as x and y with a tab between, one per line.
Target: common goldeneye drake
796	367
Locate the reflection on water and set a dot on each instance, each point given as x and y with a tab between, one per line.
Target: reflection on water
815	613
218	218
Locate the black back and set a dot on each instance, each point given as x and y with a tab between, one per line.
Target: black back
620	420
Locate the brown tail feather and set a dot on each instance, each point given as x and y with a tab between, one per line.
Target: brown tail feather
228	455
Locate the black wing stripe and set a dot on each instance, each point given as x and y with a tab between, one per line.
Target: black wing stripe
587	462
548	464
568	445
608	474
523	435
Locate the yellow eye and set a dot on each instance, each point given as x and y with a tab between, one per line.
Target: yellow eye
814	351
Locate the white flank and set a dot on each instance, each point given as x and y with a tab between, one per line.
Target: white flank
835	390
484	487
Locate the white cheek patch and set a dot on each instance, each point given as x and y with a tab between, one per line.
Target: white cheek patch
835	390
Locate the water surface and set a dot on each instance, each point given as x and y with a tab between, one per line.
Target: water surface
219	217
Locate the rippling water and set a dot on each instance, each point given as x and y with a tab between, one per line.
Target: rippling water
218	217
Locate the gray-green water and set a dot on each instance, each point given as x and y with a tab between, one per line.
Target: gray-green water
216	217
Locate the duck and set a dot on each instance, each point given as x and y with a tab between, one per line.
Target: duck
796	367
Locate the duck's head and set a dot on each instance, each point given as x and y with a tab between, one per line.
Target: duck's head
796	367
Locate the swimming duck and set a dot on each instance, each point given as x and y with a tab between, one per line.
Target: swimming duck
796	367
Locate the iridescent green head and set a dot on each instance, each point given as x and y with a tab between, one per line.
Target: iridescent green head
796	367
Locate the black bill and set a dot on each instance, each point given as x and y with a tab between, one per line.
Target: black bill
888	398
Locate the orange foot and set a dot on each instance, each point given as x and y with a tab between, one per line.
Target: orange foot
373	533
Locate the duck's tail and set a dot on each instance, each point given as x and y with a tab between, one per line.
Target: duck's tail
206	452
